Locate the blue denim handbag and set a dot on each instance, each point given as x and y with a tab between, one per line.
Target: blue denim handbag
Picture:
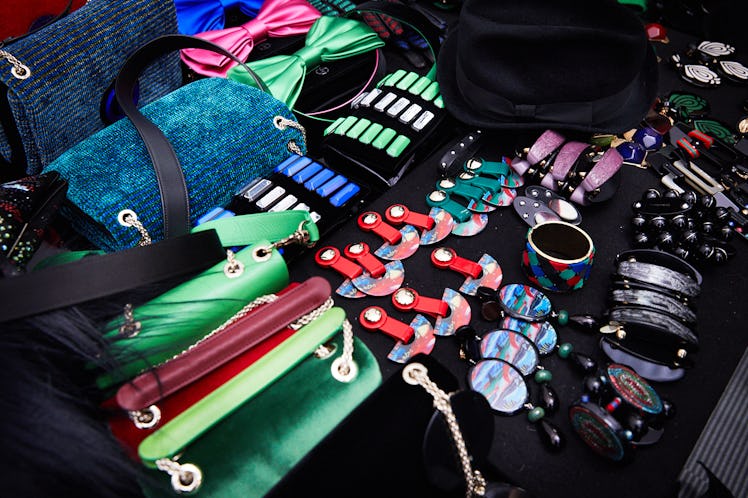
185	154
54	81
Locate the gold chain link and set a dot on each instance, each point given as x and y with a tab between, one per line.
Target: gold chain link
282	123
20	70
417	374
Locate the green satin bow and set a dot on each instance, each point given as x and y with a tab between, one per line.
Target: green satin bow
329	39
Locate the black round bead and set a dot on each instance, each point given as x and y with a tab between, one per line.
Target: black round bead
583	362
691	223
707	201
725	233
484	294
679	222
720	255
658	222
681	252
593	385
690	237
638	221
652	193
665	240
721	213
491	311
670	194
690	197
707	227
637	424
641	239
705	250
549	399
551	435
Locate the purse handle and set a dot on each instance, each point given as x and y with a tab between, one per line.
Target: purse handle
98	276
76	277
171	183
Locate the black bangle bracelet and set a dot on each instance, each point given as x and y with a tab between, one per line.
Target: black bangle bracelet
652	326
625	284
650	361
661	258
660	276
654	300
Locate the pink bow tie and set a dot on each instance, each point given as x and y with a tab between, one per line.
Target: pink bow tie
276	18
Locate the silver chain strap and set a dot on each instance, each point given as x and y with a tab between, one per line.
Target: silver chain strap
282	123
128	218
19	70
417	374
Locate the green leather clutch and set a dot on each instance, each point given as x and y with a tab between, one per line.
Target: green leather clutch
241	439
168	324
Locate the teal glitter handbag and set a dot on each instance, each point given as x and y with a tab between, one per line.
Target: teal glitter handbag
197	146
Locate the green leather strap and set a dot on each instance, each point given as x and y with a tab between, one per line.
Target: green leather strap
249	228
174	436
175	320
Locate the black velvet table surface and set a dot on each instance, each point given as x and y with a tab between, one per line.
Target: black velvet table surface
517	451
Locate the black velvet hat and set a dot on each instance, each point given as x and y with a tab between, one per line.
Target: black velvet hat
576	64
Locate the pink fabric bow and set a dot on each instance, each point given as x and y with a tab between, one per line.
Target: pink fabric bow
276	18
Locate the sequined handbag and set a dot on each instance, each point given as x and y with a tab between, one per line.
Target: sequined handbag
185	154
54	82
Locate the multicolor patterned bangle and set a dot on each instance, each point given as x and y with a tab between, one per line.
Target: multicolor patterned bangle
558	256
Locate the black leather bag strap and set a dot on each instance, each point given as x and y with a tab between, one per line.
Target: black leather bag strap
94	277
171	183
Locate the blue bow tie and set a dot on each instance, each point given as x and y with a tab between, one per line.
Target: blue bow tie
197	16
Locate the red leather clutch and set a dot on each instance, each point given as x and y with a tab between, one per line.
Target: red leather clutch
157	396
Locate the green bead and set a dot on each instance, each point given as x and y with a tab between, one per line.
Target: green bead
565	349
563	317
535	414
542	376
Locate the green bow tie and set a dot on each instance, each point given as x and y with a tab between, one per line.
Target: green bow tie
329	39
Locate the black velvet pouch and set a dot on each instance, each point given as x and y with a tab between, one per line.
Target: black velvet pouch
394	445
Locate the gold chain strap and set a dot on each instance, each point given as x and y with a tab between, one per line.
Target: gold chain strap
417	374
282	123
19	70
